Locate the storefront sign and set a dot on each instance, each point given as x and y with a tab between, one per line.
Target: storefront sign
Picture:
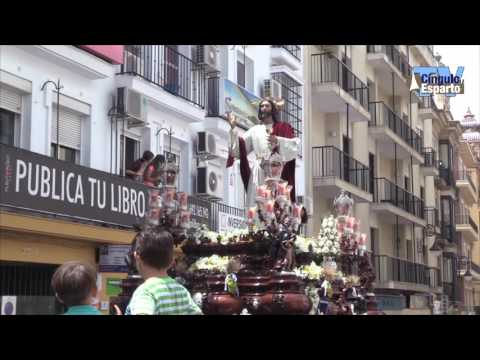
112	258
228	222
37	182
391	302
111	53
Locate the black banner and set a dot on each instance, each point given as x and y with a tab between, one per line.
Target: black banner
37	182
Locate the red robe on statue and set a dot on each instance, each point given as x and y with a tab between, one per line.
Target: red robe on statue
280	129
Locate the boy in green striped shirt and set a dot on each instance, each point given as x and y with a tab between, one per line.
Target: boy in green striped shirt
159	294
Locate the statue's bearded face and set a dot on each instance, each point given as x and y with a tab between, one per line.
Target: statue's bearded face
265	109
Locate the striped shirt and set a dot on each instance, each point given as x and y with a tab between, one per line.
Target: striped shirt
162	296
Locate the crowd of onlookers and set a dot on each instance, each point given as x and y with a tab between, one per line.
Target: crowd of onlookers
75	284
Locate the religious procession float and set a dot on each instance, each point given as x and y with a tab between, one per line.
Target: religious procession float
268	267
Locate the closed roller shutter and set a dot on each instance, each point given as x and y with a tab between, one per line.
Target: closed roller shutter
10	100
70	128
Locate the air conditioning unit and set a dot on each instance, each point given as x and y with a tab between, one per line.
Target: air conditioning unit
272	88
208	55
207	145
210	181
132	105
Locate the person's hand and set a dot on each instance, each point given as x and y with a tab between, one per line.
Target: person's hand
273	140
117	310
232	120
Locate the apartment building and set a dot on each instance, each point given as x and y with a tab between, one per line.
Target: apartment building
371	136
116	102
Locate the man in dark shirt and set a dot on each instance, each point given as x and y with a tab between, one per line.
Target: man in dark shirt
135	171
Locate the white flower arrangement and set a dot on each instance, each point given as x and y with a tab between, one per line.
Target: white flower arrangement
211	263
310	272
328	238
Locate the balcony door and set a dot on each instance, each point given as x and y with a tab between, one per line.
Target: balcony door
171	68
447	211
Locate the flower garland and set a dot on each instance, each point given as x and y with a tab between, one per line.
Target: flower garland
212	263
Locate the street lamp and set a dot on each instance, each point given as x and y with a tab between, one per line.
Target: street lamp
57	88
169	133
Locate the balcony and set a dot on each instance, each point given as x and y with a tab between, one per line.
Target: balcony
426	52
433	221
333	170
150	68
448	233
465	184
388	60
289	55
399	274
393	201
427	109
336	89
387	127
446	178
430	165
465	225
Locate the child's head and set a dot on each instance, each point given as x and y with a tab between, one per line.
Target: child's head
75	283
154	249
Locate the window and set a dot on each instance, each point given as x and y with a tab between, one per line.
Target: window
66	154
170	156
244	71
409	250
7	127
70	133
292	94
129	151
241	74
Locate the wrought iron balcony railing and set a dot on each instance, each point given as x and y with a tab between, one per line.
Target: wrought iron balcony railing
328	161
389	268
326	68
382	115
294	50
398	59
386	191
466	175
430	158
167	68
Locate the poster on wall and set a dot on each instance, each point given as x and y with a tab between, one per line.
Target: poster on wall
241	102
112	258
113	287
9	305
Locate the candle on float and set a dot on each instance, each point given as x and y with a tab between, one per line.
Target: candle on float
288	190
261	190
269	206
182	199
297	211
268	194
282	188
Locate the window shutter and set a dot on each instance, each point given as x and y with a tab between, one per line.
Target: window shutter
10	100
70	128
